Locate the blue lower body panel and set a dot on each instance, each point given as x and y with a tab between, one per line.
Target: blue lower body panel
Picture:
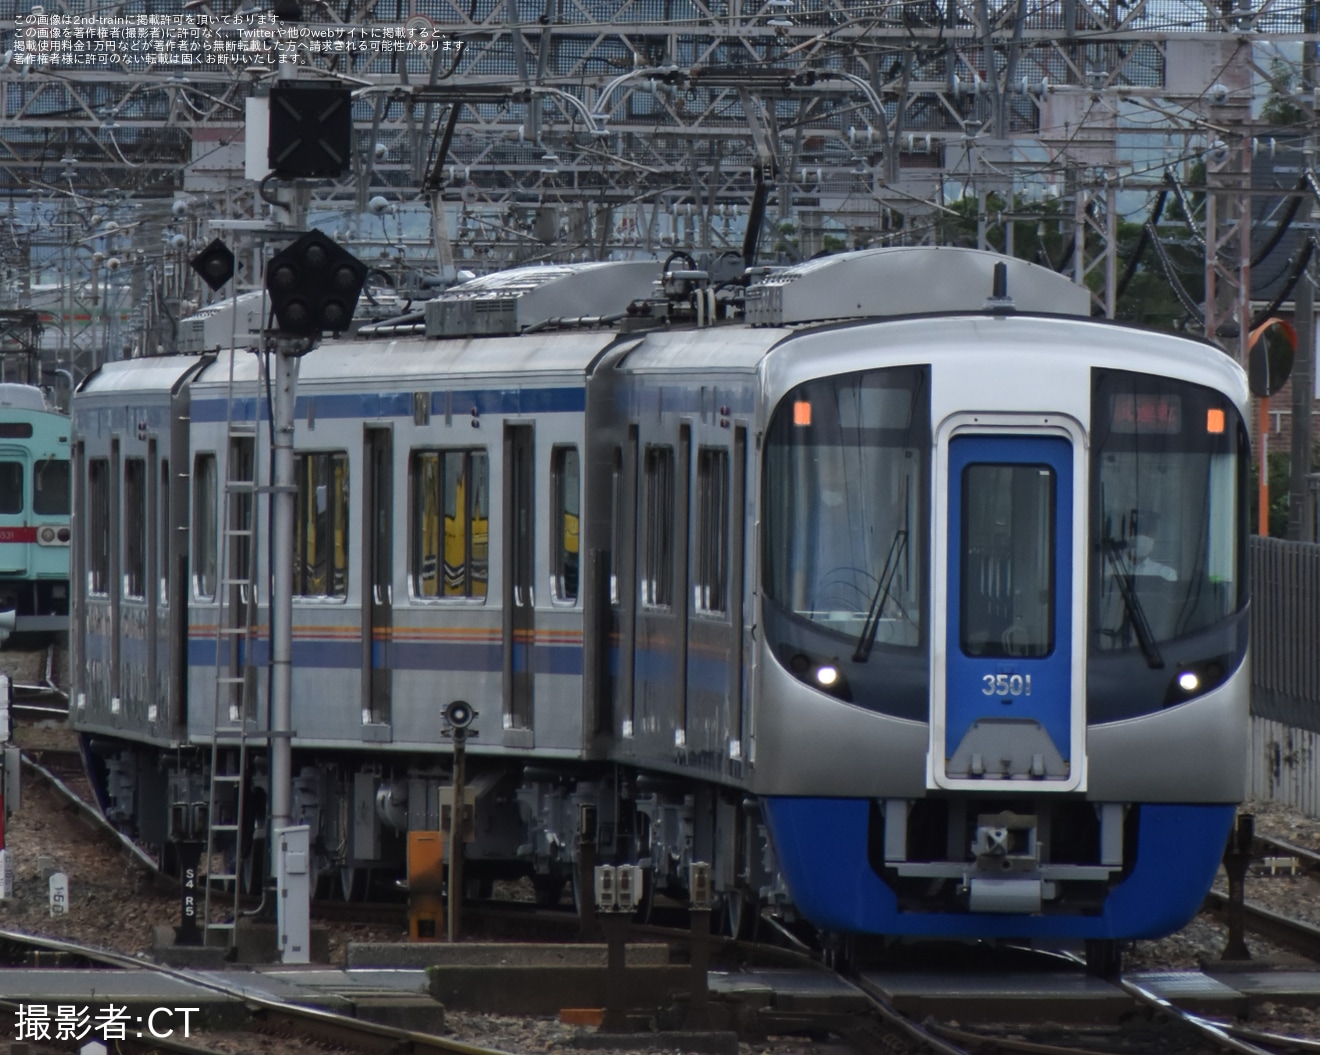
822	849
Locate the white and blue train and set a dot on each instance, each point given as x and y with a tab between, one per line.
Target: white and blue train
919	610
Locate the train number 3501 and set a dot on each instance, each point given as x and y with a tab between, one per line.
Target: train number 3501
1006	684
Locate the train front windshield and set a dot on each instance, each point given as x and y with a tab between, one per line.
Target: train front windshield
1169	460
845	520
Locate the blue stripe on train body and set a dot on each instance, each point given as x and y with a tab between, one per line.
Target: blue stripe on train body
375	405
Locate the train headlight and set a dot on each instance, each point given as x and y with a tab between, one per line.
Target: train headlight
1196	678
819	672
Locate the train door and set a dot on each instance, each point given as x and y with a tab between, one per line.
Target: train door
150	582
714	656
623	584
738	522
683	573
378	568
115	582
1008	709
519	630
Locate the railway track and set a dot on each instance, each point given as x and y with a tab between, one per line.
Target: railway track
882	1030
268	1015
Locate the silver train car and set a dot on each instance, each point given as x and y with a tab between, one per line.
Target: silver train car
913	609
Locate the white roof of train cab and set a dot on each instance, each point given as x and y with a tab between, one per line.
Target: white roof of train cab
21	397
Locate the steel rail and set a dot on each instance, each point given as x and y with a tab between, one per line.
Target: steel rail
1210	1031
1028	1047
899	1021
1282	930
91	813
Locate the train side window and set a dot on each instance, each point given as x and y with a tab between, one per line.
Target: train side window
163	533
565	540
711	587
450	523
11	487
134	532
320	527
98	526
204	526
51	495
616	523
658	553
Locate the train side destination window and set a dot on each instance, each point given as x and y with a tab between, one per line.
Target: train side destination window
98	526
204	526
135	528
712	557
11	487
658	552
565	480
51	495
450	552
320	525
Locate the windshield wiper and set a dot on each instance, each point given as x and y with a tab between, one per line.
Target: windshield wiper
1112	549
866	641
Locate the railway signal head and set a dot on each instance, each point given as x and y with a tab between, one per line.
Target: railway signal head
311	127
215	264
314	286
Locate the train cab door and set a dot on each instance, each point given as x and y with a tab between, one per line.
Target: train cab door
151	584
378	570
115	580
1008	708
519	630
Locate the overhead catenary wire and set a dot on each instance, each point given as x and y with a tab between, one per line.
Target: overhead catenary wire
1175	283
1134	258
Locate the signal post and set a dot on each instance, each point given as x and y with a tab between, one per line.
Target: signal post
314	286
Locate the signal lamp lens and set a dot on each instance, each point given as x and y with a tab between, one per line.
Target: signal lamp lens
315	256
1188	681
284	278
334	316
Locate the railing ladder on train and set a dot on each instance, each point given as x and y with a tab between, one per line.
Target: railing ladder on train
235	712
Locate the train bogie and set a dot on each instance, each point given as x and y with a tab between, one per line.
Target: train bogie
931	624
